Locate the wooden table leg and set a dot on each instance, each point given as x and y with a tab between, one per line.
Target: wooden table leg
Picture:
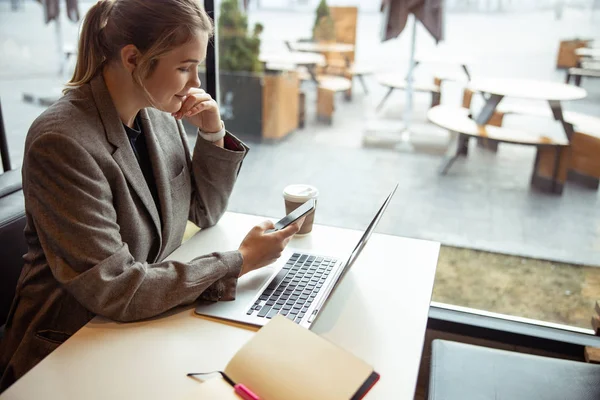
550	168
325	105
584	163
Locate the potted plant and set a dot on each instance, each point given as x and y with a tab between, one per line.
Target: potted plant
323	28
251	102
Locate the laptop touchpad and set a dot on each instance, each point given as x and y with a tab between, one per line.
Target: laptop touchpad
254	280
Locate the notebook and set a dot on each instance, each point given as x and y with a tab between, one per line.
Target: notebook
285	361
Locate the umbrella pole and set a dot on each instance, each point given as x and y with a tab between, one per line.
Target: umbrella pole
59	44
409	86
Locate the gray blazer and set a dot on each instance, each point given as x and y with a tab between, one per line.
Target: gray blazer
96	239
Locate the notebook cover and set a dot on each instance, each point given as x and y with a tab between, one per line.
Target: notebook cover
286	361
364	389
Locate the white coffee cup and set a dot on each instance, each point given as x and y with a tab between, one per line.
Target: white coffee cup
296	195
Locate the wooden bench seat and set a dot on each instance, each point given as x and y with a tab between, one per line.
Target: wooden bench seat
328	86
334	83
578	73
592	354
581	122
551	162
584	157
457	119
591	64
280	67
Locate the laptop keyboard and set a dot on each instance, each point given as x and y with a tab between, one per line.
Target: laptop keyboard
294	288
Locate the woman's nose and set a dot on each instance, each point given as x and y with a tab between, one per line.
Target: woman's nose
196	81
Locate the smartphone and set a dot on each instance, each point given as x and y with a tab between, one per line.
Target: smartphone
294	215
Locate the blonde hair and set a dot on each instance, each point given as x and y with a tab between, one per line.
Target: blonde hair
153	26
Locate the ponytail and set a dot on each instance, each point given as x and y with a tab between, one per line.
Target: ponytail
91	53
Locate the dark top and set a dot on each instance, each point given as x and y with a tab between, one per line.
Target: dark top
138	144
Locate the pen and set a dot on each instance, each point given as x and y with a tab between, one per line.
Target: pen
244	392
238	388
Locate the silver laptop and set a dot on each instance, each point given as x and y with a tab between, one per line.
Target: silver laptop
296	286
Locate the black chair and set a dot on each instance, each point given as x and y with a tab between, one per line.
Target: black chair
12	224
463	371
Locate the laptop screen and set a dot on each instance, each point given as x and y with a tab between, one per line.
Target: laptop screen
366	235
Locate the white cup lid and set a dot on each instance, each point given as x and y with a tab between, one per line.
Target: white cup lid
300	193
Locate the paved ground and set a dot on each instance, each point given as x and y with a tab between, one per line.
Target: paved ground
484	202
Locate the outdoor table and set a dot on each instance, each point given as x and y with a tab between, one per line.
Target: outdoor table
496	89
449	59
295	58
322	47
399	81
316	47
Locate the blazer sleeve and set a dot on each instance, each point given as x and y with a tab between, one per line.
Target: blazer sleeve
214	171
70	202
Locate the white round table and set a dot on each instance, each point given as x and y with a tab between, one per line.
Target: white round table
323	47
588	52
528	89
293	57
552	92
398	81
445	59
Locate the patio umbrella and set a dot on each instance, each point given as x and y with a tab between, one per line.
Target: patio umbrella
52	9
429	12
52	13
395	16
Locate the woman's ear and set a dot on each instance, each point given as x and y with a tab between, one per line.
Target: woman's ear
129	57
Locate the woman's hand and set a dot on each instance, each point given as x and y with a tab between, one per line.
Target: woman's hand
201	110
260	248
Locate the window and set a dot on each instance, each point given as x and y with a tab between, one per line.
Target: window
508	247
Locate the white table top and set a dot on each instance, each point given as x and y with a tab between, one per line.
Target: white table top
323	47
528	89
378	312
398	81
293	57
588	52
443	58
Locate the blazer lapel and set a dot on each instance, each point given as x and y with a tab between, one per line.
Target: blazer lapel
123	154
159	168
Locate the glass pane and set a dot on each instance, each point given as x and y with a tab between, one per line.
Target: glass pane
497	229
498	226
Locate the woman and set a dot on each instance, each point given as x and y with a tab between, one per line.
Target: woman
109	183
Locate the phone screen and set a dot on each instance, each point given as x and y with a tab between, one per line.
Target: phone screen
296	214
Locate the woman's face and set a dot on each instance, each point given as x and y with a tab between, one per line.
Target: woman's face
176	72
